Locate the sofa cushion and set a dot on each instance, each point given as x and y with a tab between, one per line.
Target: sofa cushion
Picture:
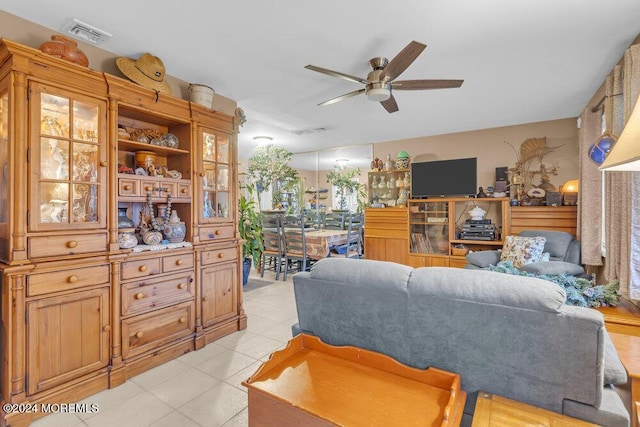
483	259
553	268
614	372
487	287
522	250
557	242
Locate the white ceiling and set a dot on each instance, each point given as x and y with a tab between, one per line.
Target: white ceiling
521	61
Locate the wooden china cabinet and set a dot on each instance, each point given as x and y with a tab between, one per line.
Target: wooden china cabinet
79	314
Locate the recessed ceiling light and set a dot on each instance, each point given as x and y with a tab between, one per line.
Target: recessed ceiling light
262	138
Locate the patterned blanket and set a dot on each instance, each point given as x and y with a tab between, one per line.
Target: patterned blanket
580	291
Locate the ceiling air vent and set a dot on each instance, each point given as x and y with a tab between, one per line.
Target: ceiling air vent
309	131
85	32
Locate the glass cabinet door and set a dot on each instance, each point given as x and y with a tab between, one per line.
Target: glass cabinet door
429	227
215	177
67	160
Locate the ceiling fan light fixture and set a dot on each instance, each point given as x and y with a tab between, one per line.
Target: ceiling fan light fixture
378	91
379	94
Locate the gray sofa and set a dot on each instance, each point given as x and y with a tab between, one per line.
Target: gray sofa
563	249
504	334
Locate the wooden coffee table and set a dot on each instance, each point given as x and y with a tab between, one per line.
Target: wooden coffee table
310	383
492	410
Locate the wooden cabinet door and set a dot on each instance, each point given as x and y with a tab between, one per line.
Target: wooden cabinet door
68	336
219	293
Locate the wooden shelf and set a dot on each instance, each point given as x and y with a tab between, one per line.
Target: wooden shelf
127	145
479	242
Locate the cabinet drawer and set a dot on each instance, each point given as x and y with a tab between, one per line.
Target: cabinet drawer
158	188
128	187
177	262
184	191
74	278
216	232
141	268
47	246
145	295
218	255
150	331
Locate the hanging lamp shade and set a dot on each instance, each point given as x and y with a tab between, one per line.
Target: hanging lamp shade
625	154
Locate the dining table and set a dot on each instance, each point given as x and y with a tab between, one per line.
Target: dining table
319	242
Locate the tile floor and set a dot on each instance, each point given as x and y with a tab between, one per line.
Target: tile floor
200	388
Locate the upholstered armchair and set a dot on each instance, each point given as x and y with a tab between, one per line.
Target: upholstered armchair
562	249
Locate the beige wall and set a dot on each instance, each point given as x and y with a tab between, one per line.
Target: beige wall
489	147
31	34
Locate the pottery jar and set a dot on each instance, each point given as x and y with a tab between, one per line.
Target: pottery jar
127	238
175	230
66	49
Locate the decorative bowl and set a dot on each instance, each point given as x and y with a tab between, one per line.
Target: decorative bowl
169	140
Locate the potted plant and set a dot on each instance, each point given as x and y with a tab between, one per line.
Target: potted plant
268	168
344	180
250	229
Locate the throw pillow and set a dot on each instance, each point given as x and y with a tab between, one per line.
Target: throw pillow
545	257
522	250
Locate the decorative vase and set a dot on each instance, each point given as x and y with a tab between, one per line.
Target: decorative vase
388	165
175	230
150	237
127	238
66	49
123	220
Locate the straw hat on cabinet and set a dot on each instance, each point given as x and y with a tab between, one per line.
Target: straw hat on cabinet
147	71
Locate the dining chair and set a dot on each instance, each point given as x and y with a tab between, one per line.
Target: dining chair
295	247
273	243
353	248
334	221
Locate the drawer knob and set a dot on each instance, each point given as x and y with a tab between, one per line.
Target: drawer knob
181	286
183	191
148	188
218	232
103	163
183	319
107	328
221	255
140	334
205	298
179	262
128	187
202	174
143	268
72	279
72	244
139	295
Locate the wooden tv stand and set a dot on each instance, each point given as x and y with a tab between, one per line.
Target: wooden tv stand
311	383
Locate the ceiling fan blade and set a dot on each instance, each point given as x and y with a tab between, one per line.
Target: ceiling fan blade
425	84
342	97
336	74
402	60
390	104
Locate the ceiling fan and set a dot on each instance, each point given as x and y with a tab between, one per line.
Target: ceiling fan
379	82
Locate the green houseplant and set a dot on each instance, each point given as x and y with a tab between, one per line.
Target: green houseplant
344	180
270	166
250	229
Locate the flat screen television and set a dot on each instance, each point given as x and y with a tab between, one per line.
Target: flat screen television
457	177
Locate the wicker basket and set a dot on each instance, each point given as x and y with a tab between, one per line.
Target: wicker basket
459	251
